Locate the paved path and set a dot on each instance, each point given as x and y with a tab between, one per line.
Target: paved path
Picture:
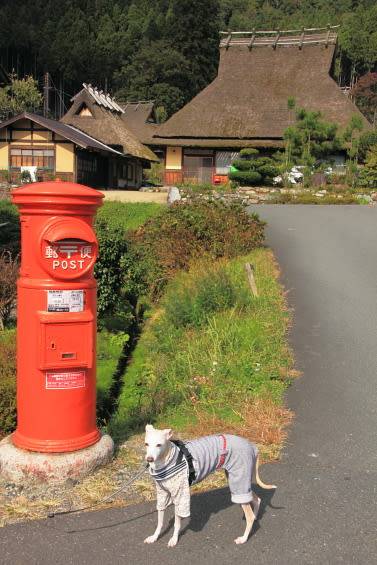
324	511
135	196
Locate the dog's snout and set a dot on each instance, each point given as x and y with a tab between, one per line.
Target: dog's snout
150	459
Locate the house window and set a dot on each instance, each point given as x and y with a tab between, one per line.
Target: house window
87	164
224	159
29	157
130	171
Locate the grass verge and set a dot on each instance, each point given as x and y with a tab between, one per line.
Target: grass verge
127	216
212	357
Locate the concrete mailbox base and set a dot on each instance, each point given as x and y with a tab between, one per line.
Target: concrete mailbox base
18	465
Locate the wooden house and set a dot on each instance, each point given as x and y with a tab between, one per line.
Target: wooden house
102	118
247	103
53	149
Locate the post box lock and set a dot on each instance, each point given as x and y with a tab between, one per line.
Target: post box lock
68	248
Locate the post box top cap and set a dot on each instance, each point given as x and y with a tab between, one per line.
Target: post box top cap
57	188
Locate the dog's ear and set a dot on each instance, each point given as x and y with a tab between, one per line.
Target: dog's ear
169	433
149	428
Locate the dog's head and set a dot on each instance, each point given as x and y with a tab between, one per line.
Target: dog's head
156	443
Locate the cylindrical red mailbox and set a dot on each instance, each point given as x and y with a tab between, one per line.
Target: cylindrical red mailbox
56	317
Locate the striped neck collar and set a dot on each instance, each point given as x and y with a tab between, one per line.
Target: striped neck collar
171	466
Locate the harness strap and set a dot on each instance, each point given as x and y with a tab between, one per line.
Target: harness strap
223	453
184	452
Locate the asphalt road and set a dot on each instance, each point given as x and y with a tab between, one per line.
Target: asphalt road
324	511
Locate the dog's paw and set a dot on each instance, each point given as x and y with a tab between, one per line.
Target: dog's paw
150	539
240	540
172	542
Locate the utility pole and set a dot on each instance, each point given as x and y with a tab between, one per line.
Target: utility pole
46	94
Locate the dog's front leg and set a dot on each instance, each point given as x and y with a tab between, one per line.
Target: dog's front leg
160	523
177	527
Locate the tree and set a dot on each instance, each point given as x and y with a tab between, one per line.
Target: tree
352	142
21	95
368	176
157	72
365	95
311	137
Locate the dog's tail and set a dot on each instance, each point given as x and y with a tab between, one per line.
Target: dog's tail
258	480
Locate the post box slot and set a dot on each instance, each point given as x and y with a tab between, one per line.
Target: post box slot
68	355
66	341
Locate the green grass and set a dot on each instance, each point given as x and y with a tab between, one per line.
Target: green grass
210	348
311	198
128	216
109	350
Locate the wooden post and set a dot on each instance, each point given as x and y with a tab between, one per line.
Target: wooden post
250	276
250	45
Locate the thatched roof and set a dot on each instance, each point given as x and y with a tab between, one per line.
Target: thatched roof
140	118
246	104
68	132
104	122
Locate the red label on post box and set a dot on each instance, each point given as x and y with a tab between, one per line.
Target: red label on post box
66	380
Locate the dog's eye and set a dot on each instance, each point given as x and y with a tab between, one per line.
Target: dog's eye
158	445
147	445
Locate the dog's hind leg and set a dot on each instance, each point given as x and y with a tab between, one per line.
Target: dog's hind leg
177	526
250	517
160	523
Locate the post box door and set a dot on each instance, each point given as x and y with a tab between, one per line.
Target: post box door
66	343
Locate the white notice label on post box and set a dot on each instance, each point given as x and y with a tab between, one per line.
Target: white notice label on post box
64	381
65	300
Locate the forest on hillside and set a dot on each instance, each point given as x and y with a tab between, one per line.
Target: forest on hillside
164	50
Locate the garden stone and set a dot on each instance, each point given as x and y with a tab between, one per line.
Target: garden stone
173	195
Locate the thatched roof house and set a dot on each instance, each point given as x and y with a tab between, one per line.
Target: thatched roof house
140	118
99	115
246	104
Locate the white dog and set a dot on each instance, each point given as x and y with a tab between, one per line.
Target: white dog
176	465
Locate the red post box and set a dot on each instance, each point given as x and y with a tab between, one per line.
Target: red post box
56	318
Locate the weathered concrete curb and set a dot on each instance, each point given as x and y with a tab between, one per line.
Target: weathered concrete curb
18	465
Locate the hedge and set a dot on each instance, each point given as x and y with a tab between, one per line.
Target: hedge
246	177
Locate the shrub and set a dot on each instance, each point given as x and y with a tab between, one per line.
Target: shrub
10	231
112	247
114	220
246	178
241	164
248	152
8	285
170	241
5	176
253	170
366	142
7	382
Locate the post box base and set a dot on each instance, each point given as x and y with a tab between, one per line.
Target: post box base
59	446
19	465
